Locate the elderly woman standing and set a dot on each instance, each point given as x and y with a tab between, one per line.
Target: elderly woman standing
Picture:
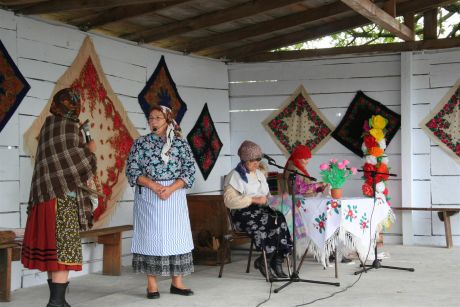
58	209
298	161
246	194
161	167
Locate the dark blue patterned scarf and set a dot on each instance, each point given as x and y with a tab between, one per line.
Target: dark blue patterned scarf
241	169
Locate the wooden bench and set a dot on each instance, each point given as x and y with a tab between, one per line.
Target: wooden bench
446	218
8	252
110	237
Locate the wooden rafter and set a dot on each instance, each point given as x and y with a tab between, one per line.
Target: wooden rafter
390	7
430	24
120	13
208	20
284	40
55	6
377	48
375	14
264	27
309	34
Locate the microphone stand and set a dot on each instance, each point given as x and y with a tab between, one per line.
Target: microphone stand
294	276
376	264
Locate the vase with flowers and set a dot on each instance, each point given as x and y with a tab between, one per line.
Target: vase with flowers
336	174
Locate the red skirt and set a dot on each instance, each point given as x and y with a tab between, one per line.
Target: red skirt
39	247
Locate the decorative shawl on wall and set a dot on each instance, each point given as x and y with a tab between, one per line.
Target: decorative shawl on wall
205	142
161	90
110	126
349	131
13	87
443	123
298	121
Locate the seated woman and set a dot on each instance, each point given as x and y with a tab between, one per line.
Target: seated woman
298	161
246	193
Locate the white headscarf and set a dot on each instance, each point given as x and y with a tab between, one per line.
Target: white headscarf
169	137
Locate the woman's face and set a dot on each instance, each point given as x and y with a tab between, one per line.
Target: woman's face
304	162
157	122
252	165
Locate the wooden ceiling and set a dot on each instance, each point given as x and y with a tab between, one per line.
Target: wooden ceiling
241	30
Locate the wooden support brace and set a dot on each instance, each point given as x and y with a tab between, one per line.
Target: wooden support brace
112	253
447	229
5	273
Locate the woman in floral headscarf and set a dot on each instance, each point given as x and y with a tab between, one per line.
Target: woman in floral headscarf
298	161
162	168
246	193
58	209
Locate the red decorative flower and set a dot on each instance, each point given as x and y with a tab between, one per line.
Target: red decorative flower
370	141
382	168
367	190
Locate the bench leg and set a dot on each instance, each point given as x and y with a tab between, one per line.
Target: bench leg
5	274
447	230
111	263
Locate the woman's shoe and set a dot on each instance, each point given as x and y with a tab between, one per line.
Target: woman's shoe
153	295
276	263
186	292
259	264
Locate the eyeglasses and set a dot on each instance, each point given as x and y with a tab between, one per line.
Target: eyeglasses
254	160
156	118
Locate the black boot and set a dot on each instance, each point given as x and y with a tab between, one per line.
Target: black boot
276	264
49	285
57	297
260	265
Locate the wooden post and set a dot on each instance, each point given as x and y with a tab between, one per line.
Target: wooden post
406	146
447	229
430	24
409	21
5	273
111	264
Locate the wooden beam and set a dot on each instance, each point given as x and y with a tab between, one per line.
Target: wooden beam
120	13
263	27
375	14
214	18
390	7
55	6
430	24
409	21
309	34
421	5
377	48
292	38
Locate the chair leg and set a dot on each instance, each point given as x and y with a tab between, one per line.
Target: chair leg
250	256
267	277
223	251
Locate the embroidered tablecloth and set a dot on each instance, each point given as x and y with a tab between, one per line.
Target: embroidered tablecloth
322	222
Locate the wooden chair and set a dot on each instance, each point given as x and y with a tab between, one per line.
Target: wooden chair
234	234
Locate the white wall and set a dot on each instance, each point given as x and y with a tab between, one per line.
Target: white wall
332	84
43	52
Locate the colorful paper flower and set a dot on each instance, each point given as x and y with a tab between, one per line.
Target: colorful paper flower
379	122
377	134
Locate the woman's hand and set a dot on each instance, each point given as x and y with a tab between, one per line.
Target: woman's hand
156	188
259	200
166	192
91	145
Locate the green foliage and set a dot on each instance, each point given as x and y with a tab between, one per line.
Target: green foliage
448	27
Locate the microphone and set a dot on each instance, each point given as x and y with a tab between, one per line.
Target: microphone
86	131
155	129
268	158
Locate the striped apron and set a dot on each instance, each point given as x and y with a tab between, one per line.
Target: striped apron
161	227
